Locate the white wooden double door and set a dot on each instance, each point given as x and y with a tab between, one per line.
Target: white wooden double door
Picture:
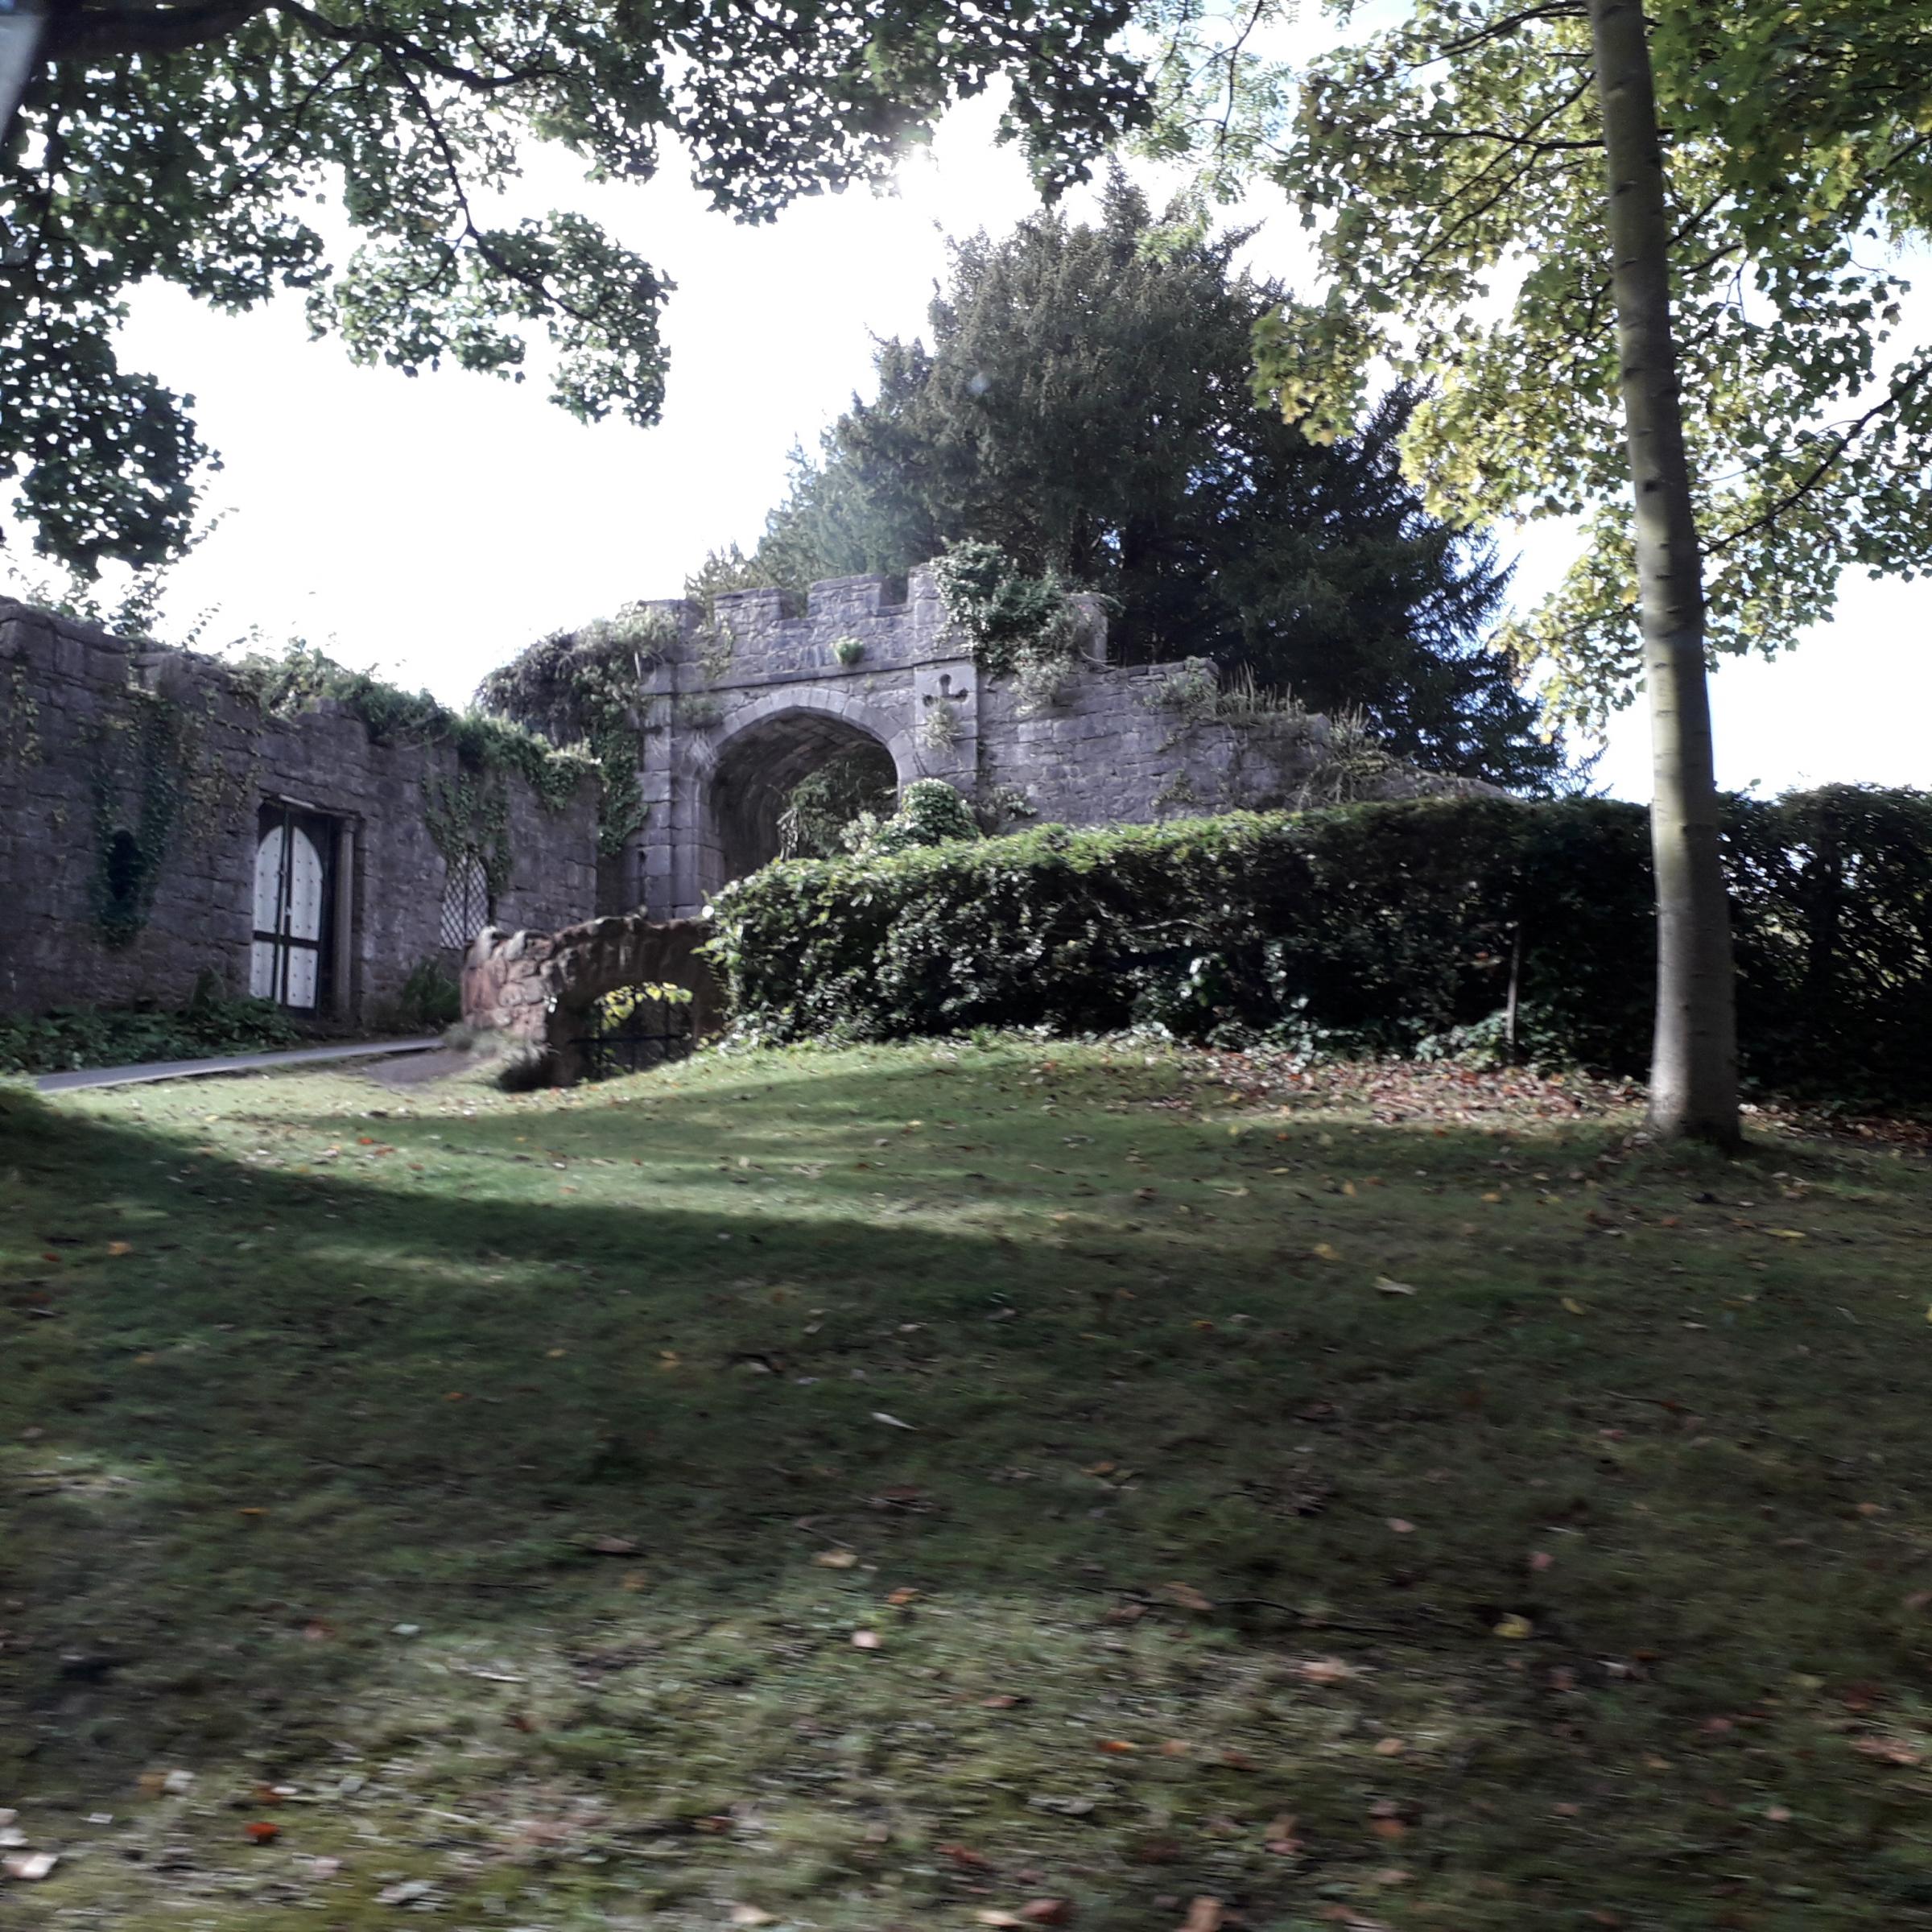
295	893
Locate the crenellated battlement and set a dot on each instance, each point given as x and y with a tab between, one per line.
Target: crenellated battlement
845	624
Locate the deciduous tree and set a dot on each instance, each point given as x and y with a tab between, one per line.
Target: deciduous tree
198	143
1647	270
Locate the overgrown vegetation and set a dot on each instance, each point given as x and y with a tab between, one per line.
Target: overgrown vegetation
1087	1475
302	677
72	1037
1015	622
1369	928
430	999
585	687
846	794
930	812
144	757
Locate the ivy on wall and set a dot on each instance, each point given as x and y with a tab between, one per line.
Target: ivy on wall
145	756
302	678
469	817
1015	621
585	687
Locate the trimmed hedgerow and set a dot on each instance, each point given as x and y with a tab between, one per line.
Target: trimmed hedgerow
1383	927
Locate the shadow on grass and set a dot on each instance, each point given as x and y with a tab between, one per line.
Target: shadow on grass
1154	1453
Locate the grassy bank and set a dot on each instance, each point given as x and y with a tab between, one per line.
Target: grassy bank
884	1489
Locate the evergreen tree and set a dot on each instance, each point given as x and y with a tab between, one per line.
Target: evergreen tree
1087	403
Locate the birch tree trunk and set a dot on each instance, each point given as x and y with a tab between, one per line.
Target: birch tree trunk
1693	1055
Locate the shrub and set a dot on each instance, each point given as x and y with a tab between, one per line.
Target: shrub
430	1000
930	813
85	1036
1376	926
1011	619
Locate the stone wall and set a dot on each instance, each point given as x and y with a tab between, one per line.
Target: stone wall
93	729
745	706
536	989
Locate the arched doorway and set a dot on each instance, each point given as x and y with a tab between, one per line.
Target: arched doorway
291	958
757	777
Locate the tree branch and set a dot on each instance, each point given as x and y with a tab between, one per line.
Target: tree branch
1899	393
98	34
102	33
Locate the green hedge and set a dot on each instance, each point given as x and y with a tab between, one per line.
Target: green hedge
1385	927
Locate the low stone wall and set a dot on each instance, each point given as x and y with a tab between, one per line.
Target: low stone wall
537	988
98	734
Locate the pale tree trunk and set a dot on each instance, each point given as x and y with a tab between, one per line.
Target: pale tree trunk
1694	1057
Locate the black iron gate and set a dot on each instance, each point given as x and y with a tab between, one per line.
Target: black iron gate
632	1031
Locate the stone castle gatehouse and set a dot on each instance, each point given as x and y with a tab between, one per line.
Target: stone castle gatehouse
747	706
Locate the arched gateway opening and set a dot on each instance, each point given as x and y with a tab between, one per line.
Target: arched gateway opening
782	787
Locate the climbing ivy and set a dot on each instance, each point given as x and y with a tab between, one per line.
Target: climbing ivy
1017	622
147	753
585	687
303	677
470	817
20	729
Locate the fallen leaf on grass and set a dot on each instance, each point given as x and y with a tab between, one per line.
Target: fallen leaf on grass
1119	1747
836	1559
120	1247
1571	1306
1185	1597
1002	1700
964	1854
613	1546
1325	1670
261	1832
1513	1626
1384	1285
29	1864
1048	1912
891	1422
1281	1840
867	1639
1203	1915
1325	1252
900	1597
1401	1526
750	1915
1888	1751
1390	1746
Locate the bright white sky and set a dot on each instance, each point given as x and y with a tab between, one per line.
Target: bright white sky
430	527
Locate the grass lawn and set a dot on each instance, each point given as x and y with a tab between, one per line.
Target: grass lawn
935	1486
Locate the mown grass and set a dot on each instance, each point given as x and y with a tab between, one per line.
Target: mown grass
1586	1585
